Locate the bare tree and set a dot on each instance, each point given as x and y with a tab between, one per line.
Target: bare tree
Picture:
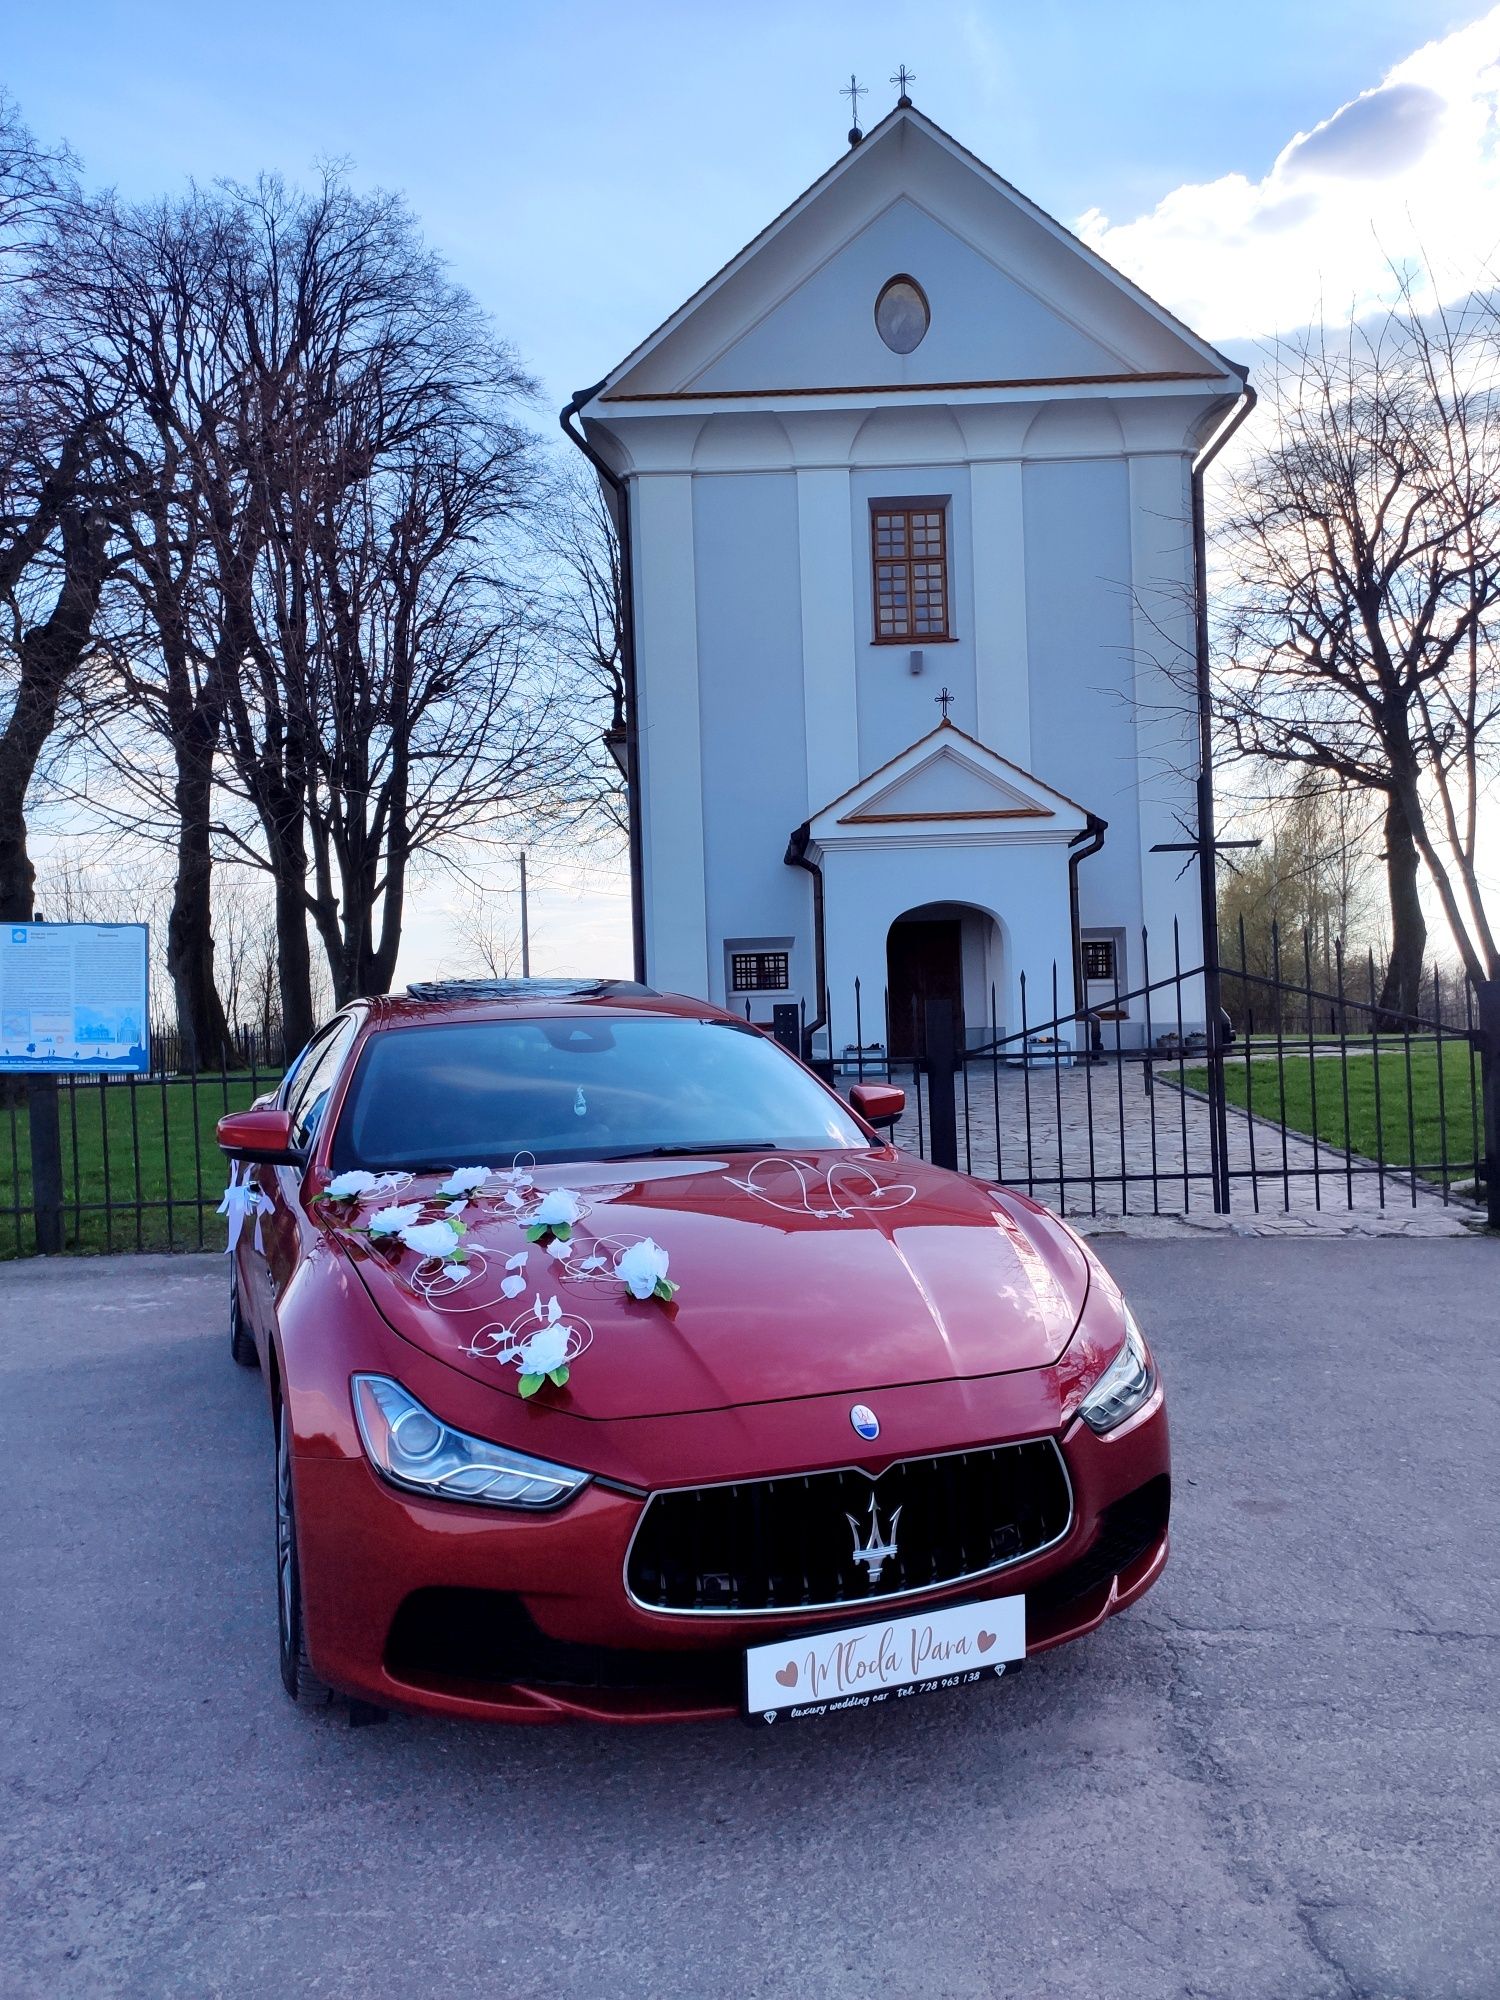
489	936
57	484
1356	632
581	550
392	701
154	291
1303	900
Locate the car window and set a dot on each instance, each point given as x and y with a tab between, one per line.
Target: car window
578	1087
314	1080
289	1092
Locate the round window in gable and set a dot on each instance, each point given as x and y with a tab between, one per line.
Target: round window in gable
901	315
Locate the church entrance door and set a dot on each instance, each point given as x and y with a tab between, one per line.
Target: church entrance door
924	961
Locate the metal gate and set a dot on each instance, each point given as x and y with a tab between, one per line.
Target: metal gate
1303	1094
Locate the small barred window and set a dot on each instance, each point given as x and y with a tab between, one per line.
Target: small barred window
760	971
1099	959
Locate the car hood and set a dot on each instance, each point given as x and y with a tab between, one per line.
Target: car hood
806	1276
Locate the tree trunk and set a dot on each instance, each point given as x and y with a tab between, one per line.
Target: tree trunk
293	958
1401	991
201	1025
49	654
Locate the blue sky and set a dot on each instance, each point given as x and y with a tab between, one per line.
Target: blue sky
584	167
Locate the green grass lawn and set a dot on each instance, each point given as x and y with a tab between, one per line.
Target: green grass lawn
1384	1135
140	1167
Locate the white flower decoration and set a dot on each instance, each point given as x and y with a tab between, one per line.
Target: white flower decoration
348	1187
392	1221
431	1239
559	1209
543	1355
465	1180
642	1269
545	1350
514	1281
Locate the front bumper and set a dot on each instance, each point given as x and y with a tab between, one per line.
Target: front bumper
471	1612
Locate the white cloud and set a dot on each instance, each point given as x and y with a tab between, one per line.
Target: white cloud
1410	170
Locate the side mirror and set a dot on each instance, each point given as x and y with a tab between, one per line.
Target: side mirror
261	1137
878	1103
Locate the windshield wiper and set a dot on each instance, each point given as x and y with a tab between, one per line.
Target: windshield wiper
689	1151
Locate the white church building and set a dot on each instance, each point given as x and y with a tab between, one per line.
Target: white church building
908	493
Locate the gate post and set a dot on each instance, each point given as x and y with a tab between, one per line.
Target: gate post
942	1111
1488	993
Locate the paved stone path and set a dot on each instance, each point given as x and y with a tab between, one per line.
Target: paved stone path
1123	1143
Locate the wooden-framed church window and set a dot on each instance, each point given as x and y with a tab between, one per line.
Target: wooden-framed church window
909	560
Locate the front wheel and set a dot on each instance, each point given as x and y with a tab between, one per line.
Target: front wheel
297	1676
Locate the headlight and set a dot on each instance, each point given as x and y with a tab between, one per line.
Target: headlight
411	1447
1125	1384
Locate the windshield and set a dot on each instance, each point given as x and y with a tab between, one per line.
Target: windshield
476	1093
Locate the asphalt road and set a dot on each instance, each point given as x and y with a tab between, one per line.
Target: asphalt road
1276	1779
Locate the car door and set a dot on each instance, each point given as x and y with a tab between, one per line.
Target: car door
309	1088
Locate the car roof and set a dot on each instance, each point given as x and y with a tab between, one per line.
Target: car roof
430	1001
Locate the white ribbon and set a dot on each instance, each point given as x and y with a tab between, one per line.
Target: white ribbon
241	1200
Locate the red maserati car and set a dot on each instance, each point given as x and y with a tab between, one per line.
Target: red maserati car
618	1368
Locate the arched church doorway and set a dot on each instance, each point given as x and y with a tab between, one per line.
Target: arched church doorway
943	953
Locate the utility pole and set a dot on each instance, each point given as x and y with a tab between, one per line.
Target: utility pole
525	925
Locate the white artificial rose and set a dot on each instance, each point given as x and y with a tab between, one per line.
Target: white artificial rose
430	1239
641	1268
464	1180
391	1221
559	1209
345	1187
544	1351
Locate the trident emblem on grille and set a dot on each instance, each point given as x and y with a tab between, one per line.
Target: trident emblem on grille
875	1553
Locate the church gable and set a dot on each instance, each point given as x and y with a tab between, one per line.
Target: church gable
1012	296
984	325
948	776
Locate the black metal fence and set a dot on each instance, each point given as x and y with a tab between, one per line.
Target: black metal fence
253	1045
97	1163
1303	1098
1309	1096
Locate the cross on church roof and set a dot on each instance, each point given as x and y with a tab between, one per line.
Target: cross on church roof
901	79
854	91
942	701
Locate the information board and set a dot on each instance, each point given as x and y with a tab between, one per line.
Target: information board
73	997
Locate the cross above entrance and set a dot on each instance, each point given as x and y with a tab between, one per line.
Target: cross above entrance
943	701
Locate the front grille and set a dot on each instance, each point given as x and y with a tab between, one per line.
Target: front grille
784	1544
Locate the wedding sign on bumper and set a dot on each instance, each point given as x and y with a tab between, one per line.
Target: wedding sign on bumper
891	1659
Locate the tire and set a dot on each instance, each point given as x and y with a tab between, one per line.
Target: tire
297	1676
241	1340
